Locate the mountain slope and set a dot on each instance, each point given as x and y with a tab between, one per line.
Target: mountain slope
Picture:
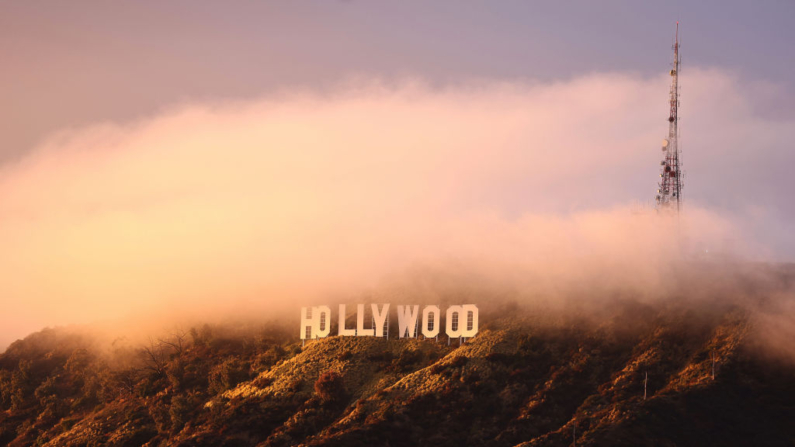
533	379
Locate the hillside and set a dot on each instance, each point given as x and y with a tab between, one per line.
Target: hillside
529	378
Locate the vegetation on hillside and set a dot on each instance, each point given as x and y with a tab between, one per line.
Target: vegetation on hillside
672	372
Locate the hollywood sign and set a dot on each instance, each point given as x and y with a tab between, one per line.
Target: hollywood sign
461	321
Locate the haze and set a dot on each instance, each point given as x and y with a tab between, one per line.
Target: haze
200	183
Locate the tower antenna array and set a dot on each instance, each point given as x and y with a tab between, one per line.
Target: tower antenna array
669	192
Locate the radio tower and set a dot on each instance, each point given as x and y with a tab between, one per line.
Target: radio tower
669	194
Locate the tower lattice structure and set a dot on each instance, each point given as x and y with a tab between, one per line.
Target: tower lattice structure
669	192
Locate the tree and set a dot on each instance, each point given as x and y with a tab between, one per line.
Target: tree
176	340
154	357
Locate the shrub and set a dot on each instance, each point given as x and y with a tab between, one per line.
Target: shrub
459	361
329	387
179	412
269	358
406	361
175	372
228	374
159	412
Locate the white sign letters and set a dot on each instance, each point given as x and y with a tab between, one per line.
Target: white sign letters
461	321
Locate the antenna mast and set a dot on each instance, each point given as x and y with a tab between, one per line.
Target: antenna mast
669	194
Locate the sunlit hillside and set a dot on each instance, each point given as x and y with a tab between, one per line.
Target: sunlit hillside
666	372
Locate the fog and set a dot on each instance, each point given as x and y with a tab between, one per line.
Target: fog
210	209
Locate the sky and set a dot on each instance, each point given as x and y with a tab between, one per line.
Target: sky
179	152
78	63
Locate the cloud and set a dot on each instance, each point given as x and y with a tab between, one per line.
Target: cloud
294	197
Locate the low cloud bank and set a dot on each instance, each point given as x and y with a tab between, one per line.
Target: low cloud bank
300	197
